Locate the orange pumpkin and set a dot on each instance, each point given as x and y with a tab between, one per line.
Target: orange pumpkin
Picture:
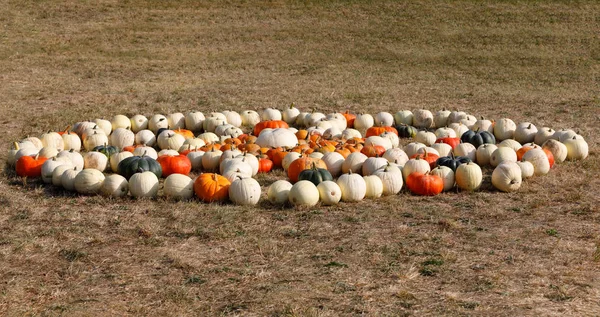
175	164
380	130
30	166
431	158
211	187
350	117
185	133
264	165
373	150
424	184
271	124
305	162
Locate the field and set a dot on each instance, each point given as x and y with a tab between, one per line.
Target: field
531	253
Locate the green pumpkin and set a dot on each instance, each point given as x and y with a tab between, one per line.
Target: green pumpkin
406	131
478	138
315	175
107	150
138	164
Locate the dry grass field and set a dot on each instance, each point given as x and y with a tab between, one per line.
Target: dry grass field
531	253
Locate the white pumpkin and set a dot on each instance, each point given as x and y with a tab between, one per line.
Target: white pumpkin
396	155
67	179
244	191
350	133
458	128
564	134
538	158
353	187
14	154
502	154
195	158
210	160
557	148
446	174
116	158
483	125
50	165
484	153
466	149
145	151
510	143
317	155
290	114
412	148
377	140
82	126
353	162
445	132
53	140
58	172
278	192
176	120
145	137
270	114
527	169
577	148
443	149
363	121
114	185
329	193
525	132
422	118
158	121
372	164
425	137
393	137
339	121
440	118
209	137
75	157
544	134
169	140
143	184
507	177
383	119
404	117
95	160
194	121
104	125
468	176
415	165
455	116
469	121
314	118
122	137
120	121
504	129
288	159
88	181
391	179
48	152
279	137
71	141
374	186
303	193
334	162
95	139
138	123
249	118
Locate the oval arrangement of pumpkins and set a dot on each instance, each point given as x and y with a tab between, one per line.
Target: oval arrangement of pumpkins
327	157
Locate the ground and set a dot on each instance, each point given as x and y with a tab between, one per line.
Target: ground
535	252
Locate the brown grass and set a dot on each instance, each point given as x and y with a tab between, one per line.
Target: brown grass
535	252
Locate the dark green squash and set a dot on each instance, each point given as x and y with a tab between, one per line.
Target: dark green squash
478	138
406	131
107	150
315	175
138	164
452	161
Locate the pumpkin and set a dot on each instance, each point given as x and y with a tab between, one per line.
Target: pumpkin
334	161
484	125
75	157
169	140
504	129
158	121
278	192
174	164
374	186
107	150
194	121
145	137
452	141
329	193
422	118
290	114
456	116
403	117
430	157
484	153
30	166
176	120
502	154
406	131
526	169
539	159
396	155
48	152
303	193
270	124
211	187
458	128
363	121
244	191
138	123
378	130
137	164
577	149
279	137
122	137
301	164
391	180
210	160
53	140
315	175
353	187
58	172
444	132
264	165
116	158
114	185
468	176
88	181
426	137
544	134
525	132
350	117
67	179
446	174
452	161
412	148
373	150
71	141
440	118
119	122
443	149
510	143
95	160
354	162
557	148
424	184
50	165
478	138
469	121
415	165
95	139
143	185
507	177
372	164
466	150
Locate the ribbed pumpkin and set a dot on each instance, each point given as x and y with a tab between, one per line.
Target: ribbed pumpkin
137	164
245	191
144	184
303	163
507	177
468	176
114	185
178	186
174	164
353	187
315	175
478	138
424	184
211	187
452	161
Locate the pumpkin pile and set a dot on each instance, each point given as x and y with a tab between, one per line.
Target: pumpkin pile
327	157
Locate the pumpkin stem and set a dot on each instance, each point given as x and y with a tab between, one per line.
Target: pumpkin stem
16	145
